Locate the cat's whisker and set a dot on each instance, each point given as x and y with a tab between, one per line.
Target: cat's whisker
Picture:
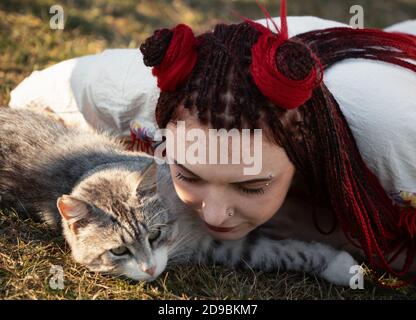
178	243
155	215
182	241
158	225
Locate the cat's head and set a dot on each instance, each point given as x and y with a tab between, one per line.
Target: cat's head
115	222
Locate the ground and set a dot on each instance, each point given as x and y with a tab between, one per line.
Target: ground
28	250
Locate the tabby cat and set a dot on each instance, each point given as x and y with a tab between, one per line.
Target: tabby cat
118	210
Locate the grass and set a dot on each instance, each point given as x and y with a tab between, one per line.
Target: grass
28	250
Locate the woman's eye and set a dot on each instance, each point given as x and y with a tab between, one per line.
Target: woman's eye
180	176
120	251
154	235
252	191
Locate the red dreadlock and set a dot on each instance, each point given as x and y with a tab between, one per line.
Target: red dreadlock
278	82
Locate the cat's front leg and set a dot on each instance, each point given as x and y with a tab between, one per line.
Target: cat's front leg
338	270
292	255
311	257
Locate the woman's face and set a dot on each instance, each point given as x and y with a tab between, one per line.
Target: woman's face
212	190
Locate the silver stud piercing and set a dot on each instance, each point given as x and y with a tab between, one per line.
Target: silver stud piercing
230	212
270	177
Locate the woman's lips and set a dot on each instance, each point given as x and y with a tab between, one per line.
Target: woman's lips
218	229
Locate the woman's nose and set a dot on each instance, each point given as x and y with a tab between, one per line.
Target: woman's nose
213	214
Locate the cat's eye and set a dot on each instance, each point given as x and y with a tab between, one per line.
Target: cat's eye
154	235
120	251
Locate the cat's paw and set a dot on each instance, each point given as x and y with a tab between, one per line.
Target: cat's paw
338	270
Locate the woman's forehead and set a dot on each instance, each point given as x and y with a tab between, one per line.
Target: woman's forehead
214	157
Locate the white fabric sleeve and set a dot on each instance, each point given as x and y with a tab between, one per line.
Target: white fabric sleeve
110	89
50	90
119	89
105	91
408	26
378	100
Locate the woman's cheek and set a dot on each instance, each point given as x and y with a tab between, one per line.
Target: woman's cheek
256	213
259	210
187	194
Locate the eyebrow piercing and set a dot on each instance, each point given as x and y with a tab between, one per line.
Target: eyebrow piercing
270	177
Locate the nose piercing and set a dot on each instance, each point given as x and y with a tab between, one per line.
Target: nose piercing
230	212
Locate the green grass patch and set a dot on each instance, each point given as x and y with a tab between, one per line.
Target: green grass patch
28	250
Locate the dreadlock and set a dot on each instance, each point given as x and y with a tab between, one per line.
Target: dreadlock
221	92
220	89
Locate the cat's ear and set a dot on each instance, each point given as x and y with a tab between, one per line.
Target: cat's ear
72	210
145	181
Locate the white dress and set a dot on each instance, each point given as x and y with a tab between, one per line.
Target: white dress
109	90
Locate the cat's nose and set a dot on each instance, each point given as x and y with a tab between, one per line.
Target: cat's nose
150	271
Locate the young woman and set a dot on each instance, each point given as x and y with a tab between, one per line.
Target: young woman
247	76
316	185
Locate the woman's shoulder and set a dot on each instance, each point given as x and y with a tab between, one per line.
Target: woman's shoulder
378	102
